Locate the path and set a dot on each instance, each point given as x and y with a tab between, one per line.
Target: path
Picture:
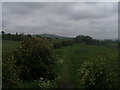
66	83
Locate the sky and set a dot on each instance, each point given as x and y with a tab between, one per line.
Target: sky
96	19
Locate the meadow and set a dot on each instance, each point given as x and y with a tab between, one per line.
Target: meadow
83	66
9	45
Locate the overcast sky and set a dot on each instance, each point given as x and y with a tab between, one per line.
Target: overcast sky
99	20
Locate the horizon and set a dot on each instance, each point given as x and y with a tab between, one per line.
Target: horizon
59	35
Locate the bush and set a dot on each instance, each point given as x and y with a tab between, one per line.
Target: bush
36	59
10	73
96	74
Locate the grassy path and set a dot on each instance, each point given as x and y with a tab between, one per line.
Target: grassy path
65	73
66	83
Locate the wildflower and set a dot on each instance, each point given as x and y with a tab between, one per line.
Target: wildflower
41	78
82	79
100	72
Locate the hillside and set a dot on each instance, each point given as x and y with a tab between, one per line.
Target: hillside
54	36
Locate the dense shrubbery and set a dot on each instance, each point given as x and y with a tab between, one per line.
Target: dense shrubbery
86	39
10	72
34	59
90	41
83	39
78	39
97	74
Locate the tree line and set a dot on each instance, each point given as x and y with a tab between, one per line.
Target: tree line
88	40
81	39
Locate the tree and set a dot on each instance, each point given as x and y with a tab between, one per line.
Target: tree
85	39
2	32
79	39
88	40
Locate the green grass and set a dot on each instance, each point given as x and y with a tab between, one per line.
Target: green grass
72	57
56	40
9	45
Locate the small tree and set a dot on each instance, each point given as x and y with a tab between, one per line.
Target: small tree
79	39
88	40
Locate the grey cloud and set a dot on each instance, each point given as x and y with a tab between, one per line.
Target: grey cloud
21	8
66	19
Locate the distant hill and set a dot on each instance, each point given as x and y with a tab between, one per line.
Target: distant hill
54	36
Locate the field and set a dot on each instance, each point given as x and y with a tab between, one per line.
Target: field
73	58
9	44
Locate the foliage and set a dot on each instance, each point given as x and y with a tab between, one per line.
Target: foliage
36	58
79	39
34	63
10	36
10	74
97	74
88	40
85	39
44	83
39	83
98	56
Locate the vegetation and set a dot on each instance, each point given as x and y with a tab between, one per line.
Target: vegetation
35	58
84	62
80	62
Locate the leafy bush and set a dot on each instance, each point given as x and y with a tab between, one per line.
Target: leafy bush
10	73
36	59
97	74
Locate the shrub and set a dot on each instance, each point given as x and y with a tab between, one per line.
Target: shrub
10	72
36	59
96	74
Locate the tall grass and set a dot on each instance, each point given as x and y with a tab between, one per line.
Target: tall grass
75	56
